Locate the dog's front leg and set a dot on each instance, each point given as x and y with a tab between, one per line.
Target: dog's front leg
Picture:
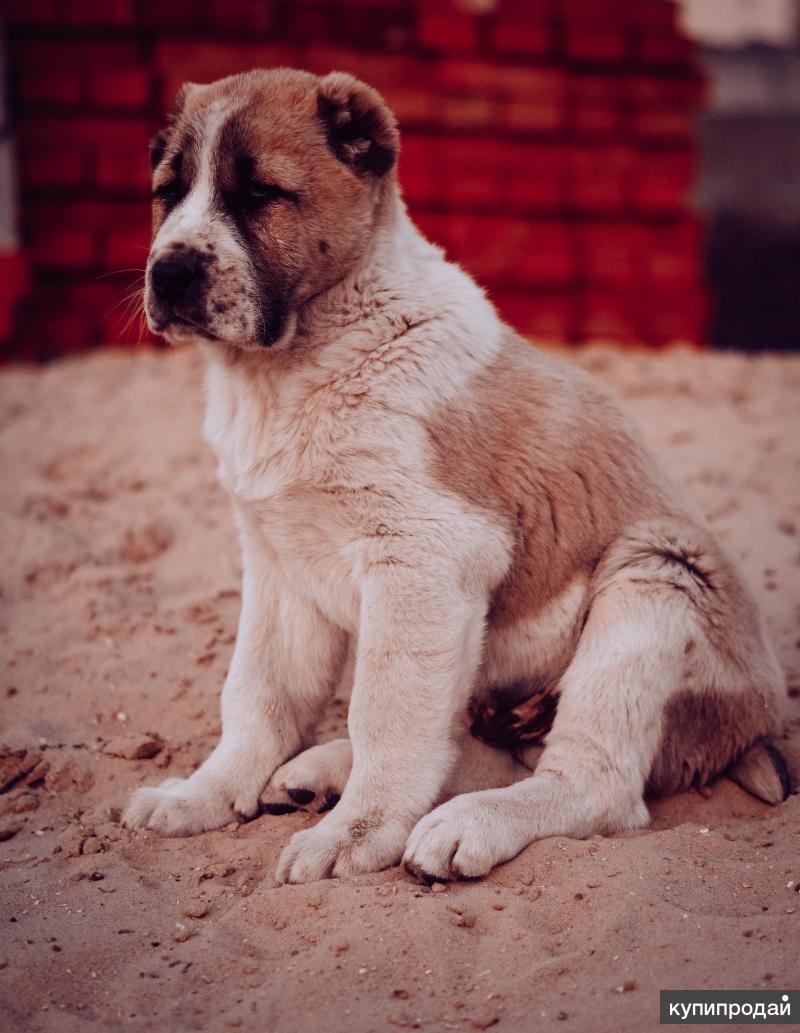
285	667
418	652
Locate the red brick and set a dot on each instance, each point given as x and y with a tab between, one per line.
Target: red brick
468	187
73	130
384	71
79	234
611	253
7	307
52	331
466	112
603	316
31	12
306	22
489	247
599	178
99	12
125	324
484	77
598	120
54	165
43	213
459	153
174	14
180	62
539	116
546	318
418	177
39	84
14	275
522	33
126	249
595	43
64	247
385	6
412	106
120	87
663	124
251	16
676	316
595	88
666	48
382	27
489	172
652	92
46	55
536	178
650	14
595	105
671	258
121	167
548	256
658	15
442	27
433	226
662	181
69	317
503	251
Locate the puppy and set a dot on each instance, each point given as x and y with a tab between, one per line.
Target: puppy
417	486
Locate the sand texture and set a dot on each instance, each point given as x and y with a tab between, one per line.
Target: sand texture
120	596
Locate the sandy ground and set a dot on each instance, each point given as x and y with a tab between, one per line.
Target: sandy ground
120	594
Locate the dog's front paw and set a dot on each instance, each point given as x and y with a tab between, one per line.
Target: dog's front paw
313	781
341	847
184	807
461	839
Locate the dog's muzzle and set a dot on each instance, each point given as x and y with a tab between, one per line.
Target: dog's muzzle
179	285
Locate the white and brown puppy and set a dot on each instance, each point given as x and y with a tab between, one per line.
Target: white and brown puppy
417	486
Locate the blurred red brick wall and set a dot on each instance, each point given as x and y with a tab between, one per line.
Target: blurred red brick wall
548	145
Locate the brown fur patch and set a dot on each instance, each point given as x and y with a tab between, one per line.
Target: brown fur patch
702	734
550	458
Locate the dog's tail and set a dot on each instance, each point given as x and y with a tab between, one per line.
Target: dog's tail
768	770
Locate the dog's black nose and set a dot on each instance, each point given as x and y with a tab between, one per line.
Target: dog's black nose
172	278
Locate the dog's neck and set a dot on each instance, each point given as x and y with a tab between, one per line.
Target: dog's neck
386	284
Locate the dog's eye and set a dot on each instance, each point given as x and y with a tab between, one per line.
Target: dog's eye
171	193
259	194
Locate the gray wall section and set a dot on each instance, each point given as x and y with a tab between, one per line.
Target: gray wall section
749	194
750	135
8	192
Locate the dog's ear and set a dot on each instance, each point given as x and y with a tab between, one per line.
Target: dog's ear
361	130
158	144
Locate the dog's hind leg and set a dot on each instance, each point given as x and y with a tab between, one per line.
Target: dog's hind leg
668	623
314	780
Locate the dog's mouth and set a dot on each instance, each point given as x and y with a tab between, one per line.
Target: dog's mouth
181	327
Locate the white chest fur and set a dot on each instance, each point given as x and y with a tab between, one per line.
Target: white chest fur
276	452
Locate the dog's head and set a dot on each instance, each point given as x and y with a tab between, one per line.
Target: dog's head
266	189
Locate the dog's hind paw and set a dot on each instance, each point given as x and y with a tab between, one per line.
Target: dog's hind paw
313	781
